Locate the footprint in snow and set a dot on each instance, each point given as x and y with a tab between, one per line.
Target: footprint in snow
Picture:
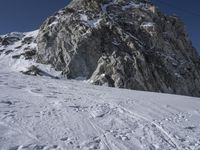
6	102
78	108
71	141
99	110
7	112
121	134
93	144
5	83
51	96
64	139
18	87
34	147
190	128
36	91
51	87
56	92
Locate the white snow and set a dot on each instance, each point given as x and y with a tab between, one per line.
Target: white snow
43	113
40	113
18	47
115	43
13	34
125	7
149	27
93	23
104	7
83	17
132	5
31	33
147	24
53	23
178	75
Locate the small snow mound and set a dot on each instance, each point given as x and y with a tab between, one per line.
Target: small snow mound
100	110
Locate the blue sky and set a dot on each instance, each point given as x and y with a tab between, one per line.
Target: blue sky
189	11
27	15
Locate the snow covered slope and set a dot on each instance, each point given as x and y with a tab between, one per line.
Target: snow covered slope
41	113
12	47
17	53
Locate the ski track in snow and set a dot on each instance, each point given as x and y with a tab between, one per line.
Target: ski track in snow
40	113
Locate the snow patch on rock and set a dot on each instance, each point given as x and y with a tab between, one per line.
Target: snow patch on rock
93	23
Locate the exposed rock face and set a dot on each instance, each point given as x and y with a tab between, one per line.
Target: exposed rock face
10	38
121	43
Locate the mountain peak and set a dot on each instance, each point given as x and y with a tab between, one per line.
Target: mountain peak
119	43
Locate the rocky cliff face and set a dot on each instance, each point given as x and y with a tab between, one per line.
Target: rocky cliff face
121	43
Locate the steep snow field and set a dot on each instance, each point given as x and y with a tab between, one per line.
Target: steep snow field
41	113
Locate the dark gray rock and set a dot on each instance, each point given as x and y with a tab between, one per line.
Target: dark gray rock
28	40
8	52
1	39
28	54
122	43
35	71
10	38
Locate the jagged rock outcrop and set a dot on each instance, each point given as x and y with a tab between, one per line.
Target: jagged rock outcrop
121	43
14	41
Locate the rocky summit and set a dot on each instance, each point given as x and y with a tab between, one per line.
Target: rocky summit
120	43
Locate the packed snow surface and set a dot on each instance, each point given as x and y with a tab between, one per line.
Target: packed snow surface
41	113
44	113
